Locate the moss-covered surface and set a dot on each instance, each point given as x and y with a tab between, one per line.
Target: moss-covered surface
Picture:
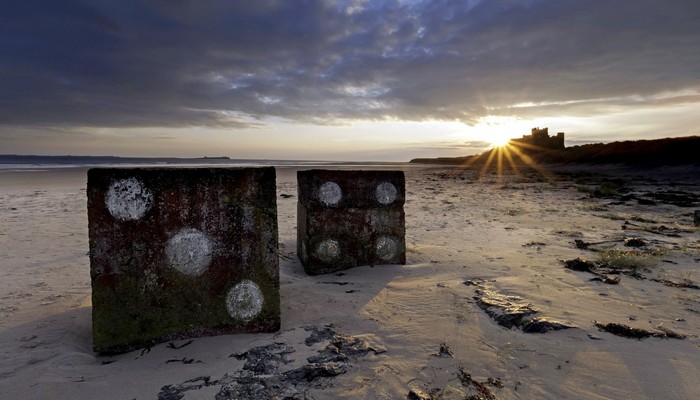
139	298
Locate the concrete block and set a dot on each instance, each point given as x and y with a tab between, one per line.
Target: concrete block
177	253
320	189
350	218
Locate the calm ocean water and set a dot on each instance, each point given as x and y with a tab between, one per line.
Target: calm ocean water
40	162
29	163
35	172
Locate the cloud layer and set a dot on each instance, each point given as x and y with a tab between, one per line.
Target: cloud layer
179	63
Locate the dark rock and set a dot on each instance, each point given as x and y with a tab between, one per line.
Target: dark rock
263	377
579	264
265	360
543	325
507	311
512	311
580	244
329	355
495	382
417	394
342	347
177	392
319	334
354	346
258	387
623	330
311	372
683	285
636	333
675	197
635	242
445	351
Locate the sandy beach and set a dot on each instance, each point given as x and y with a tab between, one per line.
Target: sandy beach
485	307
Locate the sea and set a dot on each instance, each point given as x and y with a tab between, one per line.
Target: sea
34	171
34	162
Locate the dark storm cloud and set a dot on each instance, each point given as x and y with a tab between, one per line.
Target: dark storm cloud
229	63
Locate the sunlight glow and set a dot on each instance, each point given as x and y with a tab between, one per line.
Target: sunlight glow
498	130
500	140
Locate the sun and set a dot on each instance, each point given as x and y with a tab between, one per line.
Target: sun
498	140
498	130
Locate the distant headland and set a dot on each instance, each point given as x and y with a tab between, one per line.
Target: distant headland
540	148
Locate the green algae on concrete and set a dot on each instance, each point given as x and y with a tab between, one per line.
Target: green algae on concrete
350	218
178	253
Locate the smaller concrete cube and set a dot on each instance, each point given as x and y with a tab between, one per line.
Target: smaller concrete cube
350	218
177	253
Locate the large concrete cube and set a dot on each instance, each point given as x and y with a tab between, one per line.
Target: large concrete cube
178	253
350	218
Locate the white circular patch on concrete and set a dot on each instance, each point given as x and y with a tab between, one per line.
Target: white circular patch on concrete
189	251
328	250
385	193
128	199
244	301
386	248
330	194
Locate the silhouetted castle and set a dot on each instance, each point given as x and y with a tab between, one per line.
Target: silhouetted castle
540	138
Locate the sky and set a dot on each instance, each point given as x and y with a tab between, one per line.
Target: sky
352	80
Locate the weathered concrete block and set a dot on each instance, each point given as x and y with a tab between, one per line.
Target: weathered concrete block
350	218
178	253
